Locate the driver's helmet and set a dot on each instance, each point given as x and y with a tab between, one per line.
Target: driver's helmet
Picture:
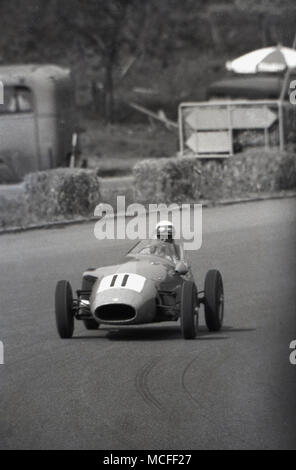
165	230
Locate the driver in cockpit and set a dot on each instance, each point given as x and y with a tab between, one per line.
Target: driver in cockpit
167	246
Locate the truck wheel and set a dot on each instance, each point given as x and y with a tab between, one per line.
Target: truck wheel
64	309
91	324
189	313
214	300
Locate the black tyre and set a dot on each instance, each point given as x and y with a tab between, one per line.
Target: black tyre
189	311
64	309
214	300
91	324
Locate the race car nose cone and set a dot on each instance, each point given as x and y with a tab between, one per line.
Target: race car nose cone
115	305
124	305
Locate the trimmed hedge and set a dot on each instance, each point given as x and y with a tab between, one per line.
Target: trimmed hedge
62	192
187	179
52	195
13	212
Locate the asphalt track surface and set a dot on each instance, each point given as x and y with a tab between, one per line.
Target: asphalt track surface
145	387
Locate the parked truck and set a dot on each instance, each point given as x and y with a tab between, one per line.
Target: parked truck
37	118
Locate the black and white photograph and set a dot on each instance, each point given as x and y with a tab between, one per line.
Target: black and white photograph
147	228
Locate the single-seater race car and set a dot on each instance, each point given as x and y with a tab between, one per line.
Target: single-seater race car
154	283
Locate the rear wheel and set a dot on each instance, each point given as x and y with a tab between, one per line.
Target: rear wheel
189	310
214	300
64	309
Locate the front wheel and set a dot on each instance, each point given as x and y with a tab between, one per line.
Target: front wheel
64	309
214	300
189	310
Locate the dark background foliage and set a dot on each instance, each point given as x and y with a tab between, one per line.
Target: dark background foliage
175	47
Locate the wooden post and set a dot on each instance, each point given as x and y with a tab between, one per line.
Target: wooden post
266	133
74	145
181	133
285	85
287	76
230	130
281	102
281	127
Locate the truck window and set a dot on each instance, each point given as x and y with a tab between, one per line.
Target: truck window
17	99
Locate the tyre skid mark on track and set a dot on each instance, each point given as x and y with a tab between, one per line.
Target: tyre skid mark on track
186	389
141	382
198	403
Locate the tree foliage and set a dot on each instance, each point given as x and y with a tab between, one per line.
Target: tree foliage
112	31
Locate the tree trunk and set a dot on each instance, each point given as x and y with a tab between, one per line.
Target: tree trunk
263	27
109	92
214	32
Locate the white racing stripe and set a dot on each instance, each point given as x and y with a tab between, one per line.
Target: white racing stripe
122	281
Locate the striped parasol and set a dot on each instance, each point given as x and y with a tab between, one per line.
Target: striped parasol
269	59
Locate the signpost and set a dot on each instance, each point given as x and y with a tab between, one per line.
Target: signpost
206	128
241	118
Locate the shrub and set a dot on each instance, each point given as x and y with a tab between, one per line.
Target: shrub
187	179
13	212
165	179
61	193
51	196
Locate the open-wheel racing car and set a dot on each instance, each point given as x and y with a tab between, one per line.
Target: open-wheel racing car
154	283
